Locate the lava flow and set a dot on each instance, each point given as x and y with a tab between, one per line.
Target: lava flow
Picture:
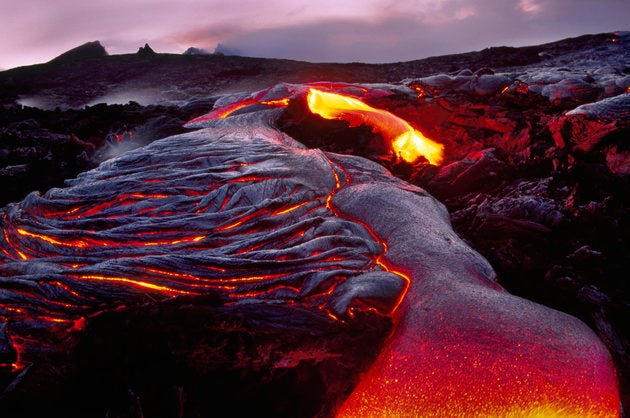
463	346
241	212
207	217
408	142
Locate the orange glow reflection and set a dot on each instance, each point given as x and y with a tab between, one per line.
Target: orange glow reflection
408	142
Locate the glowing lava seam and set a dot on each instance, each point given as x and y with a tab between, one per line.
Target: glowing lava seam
232	228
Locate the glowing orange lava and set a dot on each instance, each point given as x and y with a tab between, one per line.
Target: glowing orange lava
408	142
457	364
463	379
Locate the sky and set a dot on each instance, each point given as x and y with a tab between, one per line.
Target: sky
35	31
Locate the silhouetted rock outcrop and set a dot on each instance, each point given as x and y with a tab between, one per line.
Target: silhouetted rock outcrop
86	51
145	50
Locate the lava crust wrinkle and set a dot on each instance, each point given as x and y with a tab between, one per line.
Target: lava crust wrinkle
242	211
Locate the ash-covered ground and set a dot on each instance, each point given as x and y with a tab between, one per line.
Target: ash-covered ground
537	159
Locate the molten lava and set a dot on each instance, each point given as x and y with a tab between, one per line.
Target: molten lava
208	217
408	142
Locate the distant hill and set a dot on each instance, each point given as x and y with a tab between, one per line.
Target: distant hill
196	51
226	50
86	51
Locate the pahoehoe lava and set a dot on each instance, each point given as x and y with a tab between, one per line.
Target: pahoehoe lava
241	212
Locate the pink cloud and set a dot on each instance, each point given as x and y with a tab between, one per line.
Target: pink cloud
530	6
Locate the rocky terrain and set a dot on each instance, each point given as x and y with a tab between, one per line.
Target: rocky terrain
535	175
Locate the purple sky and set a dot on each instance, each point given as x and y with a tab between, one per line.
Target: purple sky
34	31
